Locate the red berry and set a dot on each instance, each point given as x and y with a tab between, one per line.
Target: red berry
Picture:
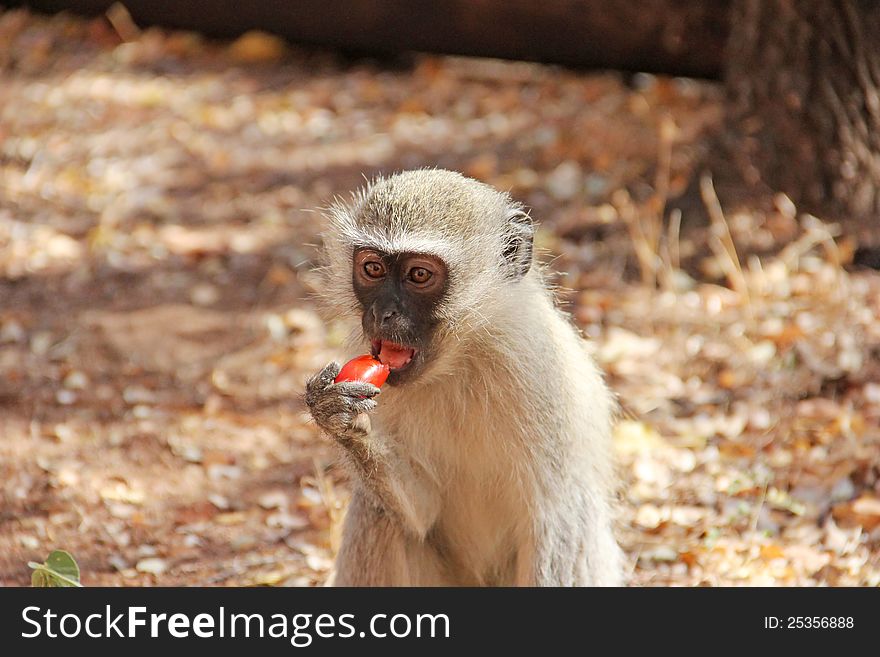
365	369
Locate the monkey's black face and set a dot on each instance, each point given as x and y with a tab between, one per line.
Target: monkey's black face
399	294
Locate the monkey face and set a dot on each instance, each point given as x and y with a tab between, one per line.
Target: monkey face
400	294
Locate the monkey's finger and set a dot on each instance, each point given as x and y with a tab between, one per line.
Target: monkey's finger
323	378
356	389
330	372
360	405
331	403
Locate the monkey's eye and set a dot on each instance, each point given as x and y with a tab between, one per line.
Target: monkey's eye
419	275
374	269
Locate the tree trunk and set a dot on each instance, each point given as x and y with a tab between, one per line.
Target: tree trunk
803	82
676	37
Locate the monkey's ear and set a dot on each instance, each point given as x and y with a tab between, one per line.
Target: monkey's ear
518	237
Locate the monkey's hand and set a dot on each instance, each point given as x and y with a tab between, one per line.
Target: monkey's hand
391	482
340	409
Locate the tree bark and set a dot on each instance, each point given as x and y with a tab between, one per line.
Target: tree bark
676	37
803	83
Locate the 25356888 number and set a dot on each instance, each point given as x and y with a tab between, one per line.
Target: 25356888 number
809	622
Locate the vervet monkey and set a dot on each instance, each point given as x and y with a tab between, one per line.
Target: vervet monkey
486	458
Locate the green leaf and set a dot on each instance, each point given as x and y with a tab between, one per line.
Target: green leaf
59	570
40	578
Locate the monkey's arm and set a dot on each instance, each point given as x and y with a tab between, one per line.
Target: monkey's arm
396	486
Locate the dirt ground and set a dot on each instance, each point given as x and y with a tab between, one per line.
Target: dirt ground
159	207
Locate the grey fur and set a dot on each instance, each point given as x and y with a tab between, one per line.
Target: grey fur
493	467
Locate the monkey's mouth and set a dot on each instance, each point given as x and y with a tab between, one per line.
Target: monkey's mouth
395	356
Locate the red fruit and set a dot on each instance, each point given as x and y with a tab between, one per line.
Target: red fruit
365	369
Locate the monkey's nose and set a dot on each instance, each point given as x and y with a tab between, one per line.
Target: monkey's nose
384	315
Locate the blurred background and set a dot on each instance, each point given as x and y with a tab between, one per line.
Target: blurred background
706	176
